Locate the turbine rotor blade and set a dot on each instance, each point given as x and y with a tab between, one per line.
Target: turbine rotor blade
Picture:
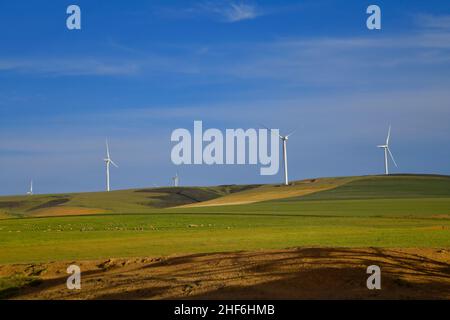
107	149
291	133
388	136
115	165
392	157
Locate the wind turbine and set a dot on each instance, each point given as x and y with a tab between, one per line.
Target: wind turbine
108	162
176	180
31	189
386	151
284	139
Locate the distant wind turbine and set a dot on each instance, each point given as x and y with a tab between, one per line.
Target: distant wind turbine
176	180
108	162
284	139
386	151
31	189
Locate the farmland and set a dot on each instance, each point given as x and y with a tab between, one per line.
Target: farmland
351	212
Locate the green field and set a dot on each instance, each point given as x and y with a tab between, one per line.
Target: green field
393	211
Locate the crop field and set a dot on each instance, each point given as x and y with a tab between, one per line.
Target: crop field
404	211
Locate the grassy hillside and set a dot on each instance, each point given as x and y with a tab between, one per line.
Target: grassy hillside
390	187
375	196
393	211
152	199
123	201
274	192
331	195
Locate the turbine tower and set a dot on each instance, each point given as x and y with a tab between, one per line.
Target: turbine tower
31	189
284	139
386	151
176	180
108	162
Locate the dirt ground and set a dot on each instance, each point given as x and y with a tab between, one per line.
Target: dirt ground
297	273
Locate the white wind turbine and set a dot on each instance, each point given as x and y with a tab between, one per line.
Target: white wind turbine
284	139
31	189
108	162
176	180
386	151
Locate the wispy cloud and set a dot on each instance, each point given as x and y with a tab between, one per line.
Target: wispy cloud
434	21
234	12
69	66
224	11
331	61
145	63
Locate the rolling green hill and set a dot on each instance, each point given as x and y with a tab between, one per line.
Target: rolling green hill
390	187
122	201
324	196
420	196
375	211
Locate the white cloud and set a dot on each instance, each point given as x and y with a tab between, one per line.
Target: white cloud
69	66
434	21
229	11
238	12
333	61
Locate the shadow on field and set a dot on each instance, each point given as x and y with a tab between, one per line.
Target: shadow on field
299	273
341	274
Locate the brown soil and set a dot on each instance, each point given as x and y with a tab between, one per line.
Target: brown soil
299	273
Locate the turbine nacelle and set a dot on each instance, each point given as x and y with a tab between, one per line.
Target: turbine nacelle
109	161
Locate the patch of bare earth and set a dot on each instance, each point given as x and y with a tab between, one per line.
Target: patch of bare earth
299	273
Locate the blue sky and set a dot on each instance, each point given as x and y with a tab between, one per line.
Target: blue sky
136	71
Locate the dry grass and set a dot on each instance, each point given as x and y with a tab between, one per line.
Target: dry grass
274	192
